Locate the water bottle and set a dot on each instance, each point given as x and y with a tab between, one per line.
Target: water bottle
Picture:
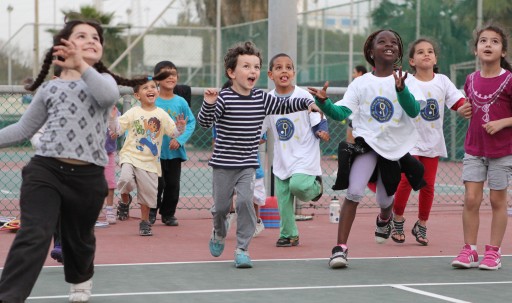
334	210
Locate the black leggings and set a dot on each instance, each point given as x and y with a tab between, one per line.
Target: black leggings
50	190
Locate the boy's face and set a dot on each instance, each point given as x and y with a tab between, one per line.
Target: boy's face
282	72
170	82
147	93
246	74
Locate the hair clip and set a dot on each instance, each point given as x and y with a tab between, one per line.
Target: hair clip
150	78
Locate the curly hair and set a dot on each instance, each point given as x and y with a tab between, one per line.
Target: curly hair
239	49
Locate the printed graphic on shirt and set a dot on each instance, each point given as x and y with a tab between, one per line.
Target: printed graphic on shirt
285	129
149	131
431	111
382	109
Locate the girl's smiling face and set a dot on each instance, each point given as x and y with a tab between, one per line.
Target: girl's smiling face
385	47
246	74
147	94
87	41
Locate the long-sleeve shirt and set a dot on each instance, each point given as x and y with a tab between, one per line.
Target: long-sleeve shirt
238	120
75	112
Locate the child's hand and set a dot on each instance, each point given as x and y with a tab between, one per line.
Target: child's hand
210	95
113	134
181	123
399	79
494	126
465	110
320	94
323	135
71	54
113	113
174	145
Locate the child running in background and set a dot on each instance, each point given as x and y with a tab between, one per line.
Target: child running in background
238	113
488	147
384	133
146	125
110	170
430	146
171	158
296	163
65	179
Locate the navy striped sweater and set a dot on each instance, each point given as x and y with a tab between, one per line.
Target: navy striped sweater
238	120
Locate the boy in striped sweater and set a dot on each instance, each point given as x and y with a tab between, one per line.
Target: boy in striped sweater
238	112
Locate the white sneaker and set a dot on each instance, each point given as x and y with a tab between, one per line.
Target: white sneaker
110	216
259	227
80	292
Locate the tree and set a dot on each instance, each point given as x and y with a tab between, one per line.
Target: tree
232	11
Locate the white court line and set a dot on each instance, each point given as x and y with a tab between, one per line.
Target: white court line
207	291
261	260
429	294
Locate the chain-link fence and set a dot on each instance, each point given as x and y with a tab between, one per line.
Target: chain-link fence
196	174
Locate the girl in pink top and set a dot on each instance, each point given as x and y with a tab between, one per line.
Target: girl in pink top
488	147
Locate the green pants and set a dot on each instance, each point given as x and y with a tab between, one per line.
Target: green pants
302	186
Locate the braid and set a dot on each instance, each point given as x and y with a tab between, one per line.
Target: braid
100	67
368	45
45	68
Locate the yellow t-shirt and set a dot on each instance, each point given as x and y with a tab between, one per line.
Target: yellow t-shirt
145	130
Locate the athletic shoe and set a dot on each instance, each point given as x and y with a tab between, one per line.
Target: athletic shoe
56	253
320	182
216	245
110	216
492	258
287	242
259	227
339	257
467	258
382	230
171	221
123	209
80	292
145	228
242	259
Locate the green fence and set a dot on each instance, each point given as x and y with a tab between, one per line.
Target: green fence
196	174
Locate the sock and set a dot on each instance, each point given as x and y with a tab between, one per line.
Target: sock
473	247
383	220
343	246
109	207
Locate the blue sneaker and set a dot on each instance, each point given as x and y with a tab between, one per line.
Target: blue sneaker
216	245
242	259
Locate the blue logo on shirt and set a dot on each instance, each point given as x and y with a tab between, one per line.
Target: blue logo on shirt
285	129
431	111
382	109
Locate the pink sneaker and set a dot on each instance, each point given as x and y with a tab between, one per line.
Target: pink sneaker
467	258
492	258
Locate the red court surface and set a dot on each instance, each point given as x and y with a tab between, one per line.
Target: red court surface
121	244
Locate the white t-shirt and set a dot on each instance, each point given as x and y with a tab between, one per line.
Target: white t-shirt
378	117
296	148
439	92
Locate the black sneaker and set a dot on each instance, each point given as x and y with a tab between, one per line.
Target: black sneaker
319	179
123	209
382	230
152	215
145	228
171	221
339	257
287	242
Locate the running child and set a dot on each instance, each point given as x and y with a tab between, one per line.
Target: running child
238	113
430	146
146	125
296	163
384	133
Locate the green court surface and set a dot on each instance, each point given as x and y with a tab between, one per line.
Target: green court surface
410	279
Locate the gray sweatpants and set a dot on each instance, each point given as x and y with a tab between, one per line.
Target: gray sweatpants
225	183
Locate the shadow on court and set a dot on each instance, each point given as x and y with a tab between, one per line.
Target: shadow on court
412	279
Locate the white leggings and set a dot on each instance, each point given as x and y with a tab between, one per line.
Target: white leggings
360	173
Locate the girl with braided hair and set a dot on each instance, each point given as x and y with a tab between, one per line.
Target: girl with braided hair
383	103
65	178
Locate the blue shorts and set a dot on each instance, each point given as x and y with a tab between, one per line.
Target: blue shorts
496	171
